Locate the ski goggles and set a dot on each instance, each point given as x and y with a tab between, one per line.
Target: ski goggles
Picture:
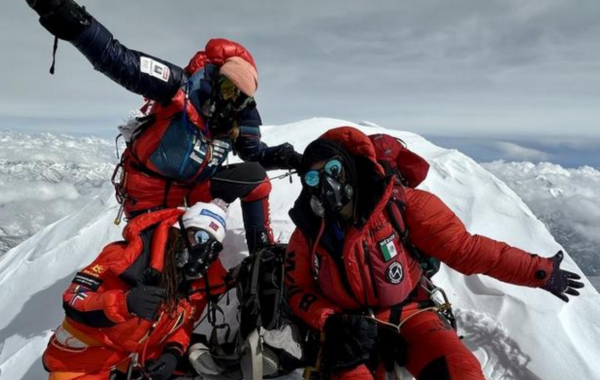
333	168
201	250
229	94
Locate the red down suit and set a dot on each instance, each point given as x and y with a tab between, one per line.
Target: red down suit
98	334
359	272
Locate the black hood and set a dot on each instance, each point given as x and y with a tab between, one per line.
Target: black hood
369	184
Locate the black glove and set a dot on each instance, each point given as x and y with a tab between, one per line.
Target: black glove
43	7
143	301
350	340
65	19
163	367
562	282
285	157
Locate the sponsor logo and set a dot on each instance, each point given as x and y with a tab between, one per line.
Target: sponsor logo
197	158
211	214
214	226
155	69
394	273
98	269
87	280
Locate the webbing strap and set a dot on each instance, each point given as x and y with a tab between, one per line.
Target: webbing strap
397	213
54	50
396	314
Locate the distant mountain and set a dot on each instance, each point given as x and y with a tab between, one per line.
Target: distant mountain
567	201
45	177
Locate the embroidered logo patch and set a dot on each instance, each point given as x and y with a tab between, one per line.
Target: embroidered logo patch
394	273
88	281
387	248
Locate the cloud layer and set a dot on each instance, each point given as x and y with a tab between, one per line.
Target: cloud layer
465	67
566	200
46	177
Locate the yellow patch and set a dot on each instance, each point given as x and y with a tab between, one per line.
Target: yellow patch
97	269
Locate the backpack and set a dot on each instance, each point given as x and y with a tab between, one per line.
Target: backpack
407	169
269	340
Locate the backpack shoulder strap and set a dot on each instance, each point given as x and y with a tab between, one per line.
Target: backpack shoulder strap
396	208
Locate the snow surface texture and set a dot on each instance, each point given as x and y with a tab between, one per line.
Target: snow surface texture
516	333
566	200
46	177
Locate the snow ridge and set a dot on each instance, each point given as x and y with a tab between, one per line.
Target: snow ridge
516	333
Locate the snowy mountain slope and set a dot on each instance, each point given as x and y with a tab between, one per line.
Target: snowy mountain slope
516	333
46	177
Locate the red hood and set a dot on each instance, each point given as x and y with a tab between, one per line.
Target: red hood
356	142
165	219
217	51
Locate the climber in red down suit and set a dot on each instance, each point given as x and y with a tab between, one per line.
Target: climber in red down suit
350	273
133	309
195	116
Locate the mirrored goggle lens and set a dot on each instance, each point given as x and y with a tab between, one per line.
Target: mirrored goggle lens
333	167
312	178
228	90
201	237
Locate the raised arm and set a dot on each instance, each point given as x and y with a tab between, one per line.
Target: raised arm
140	73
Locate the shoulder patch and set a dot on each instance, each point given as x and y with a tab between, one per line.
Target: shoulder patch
87	280
155	69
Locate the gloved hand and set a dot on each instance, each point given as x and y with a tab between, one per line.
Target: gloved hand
143	301
43	7
350	340
65	19
562	282
163	367
286	157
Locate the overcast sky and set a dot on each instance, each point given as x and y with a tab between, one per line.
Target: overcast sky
511	69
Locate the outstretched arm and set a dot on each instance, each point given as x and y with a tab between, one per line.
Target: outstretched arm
138	72
439	233
250	147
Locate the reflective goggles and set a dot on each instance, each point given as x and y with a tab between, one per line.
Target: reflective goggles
203	238
228	93
333	167
200	237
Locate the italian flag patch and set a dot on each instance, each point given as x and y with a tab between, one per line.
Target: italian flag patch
387	248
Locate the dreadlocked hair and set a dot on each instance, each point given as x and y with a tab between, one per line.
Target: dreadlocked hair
171	277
